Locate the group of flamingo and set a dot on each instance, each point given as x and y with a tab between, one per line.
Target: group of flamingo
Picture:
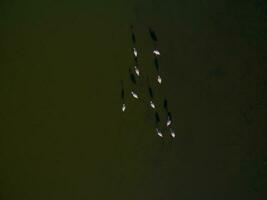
137	73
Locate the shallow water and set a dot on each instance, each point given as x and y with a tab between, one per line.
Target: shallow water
63	134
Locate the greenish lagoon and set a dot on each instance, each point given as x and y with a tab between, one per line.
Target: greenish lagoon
62	132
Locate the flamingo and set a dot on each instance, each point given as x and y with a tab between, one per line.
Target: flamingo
134	95
159	79
172	133
123	107
156	52
159	132
135	52
152	104
136	71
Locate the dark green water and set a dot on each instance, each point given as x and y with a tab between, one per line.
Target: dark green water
62	133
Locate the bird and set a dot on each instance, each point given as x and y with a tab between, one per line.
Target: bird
123	107
136	71
159	79
156	52
169	119
172	133
135	52
134	95
152	104
169	122
123	97
159	132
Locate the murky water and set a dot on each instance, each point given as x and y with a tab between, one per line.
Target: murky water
63	134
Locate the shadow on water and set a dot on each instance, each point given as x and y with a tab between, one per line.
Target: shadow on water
165	105
157	119
169	115
122	90
132	77
150	90
133	35
153	35
151	94
156	63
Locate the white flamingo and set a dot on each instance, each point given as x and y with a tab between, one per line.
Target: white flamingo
159	79
169	121
159	132
152	104
136	71
156	52
123	107
134	95
172	133
135	52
